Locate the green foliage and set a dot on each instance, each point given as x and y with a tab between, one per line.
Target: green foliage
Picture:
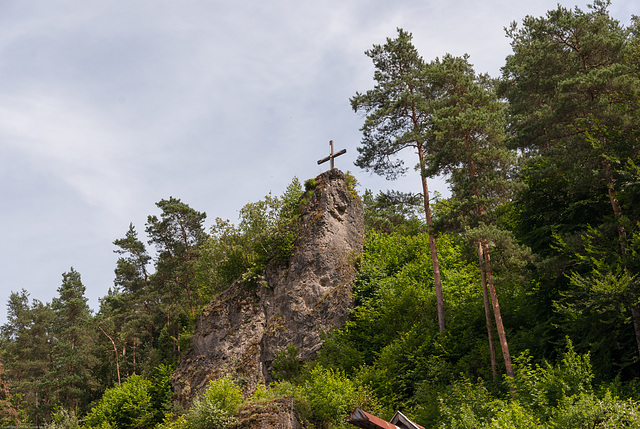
127	406
514	416
602	292
266	232
73	375
547	396
225	394
401	87
8	412
64	419
464	404
287	365
330	395
587	410
215	409
392	211
324	397
262	393
161	392
542	388
172	422
352	184
394	292
391	342
205	415
310	185
572	84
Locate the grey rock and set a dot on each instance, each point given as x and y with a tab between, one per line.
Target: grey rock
241	332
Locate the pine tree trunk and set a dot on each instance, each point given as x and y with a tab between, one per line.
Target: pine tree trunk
615	205
496	314
487	312
635	316
432	245
622	236
115	350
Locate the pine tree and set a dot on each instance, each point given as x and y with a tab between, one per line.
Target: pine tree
572	83
74	345
398	117
178	235
469	147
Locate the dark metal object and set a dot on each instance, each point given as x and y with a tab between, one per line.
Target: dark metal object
332	155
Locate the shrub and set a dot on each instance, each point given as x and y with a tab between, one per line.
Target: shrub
216	408
127	406
330	395
172	422
310	184
352	183
585	410
514	416
63	419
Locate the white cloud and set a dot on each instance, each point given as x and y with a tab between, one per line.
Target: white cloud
108	106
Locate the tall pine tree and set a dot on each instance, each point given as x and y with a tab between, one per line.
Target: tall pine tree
398	117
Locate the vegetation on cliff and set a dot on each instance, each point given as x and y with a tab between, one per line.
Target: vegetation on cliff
544	216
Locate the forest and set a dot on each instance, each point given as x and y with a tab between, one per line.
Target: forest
514	303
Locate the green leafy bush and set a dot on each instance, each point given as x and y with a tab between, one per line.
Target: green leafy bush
549	396
172	422
330	395
352	183
63	419
216	408
310	184
128	406
266	232
585	410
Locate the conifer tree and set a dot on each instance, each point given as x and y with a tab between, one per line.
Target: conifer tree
469	147
134	297
74	345
572	83
398	117
8	413
27	339
178	236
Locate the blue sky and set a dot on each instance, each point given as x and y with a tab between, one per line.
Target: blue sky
107	107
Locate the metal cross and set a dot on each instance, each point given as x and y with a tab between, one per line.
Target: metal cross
332	155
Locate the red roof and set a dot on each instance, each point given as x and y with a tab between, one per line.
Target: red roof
365	420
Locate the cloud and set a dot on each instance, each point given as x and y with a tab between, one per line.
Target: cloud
106	107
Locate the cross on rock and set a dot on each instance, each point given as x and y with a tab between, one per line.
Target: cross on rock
332	155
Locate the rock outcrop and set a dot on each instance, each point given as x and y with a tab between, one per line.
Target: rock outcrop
241	332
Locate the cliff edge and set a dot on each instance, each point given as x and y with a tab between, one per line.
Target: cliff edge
240	332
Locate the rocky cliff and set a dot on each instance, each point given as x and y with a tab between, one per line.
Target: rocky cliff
241	331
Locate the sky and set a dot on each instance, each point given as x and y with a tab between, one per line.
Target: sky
107	107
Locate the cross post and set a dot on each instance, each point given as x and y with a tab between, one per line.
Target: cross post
331	155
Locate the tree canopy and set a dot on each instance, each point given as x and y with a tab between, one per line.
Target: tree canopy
544	215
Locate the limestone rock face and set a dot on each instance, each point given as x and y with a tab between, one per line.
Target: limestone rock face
241	332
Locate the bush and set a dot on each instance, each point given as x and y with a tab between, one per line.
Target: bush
310	184
216	408
585	410
330	395
172	422
124	407
63	419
